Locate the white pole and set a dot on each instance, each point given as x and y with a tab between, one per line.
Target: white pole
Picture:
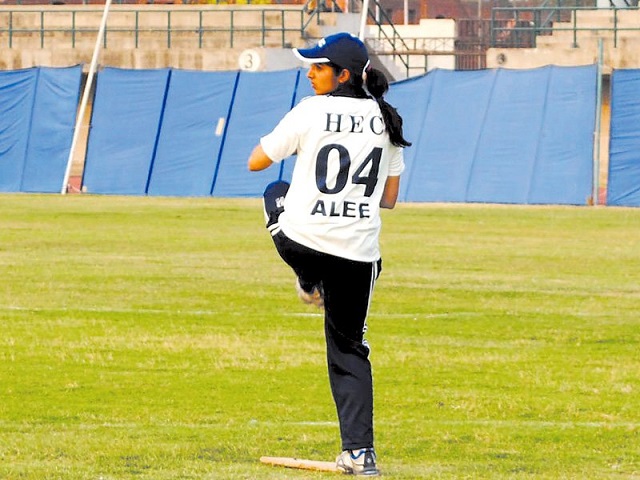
363	19
85	95
595	194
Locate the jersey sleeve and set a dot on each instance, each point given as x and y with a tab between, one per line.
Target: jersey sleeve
284	140
396	165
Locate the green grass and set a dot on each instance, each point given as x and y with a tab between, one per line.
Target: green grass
146	338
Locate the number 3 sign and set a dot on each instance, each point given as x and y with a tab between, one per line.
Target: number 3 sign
249	60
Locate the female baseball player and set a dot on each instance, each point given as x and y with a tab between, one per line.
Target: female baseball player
326	224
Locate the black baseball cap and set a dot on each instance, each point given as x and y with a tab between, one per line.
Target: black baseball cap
343	49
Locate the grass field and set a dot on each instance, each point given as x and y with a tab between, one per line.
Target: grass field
148	338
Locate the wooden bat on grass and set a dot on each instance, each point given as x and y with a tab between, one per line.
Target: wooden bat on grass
299	463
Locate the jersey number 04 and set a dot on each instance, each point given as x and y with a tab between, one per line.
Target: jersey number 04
369	180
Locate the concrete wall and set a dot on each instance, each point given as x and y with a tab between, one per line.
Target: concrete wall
148	36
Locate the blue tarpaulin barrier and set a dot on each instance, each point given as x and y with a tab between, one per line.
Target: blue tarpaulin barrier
172	132
411	99
499	136
193	126
623	188
125	123
261	100
17	92
37	116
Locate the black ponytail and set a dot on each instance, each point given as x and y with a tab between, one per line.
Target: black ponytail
377	85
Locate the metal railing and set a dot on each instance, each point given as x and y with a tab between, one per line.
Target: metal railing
392	44
419	51
273	22
530	22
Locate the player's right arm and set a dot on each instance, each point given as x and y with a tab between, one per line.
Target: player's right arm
258	160
392	184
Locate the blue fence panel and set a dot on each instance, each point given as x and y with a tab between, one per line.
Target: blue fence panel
537	140
261	100
17	93
125	123
449	135
505	152
623	187
37	116
411	98
193	127
52	124
563	170
493	135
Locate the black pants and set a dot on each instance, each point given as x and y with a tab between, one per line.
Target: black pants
347	286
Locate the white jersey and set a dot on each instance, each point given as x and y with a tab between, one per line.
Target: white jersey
344	157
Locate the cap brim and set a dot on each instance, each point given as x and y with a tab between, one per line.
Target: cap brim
309	55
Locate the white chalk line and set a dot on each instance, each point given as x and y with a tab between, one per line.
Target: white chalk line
204	313
538	424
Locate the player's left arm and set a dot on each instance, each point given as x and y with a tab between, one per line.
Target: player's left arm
258	160
390	193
